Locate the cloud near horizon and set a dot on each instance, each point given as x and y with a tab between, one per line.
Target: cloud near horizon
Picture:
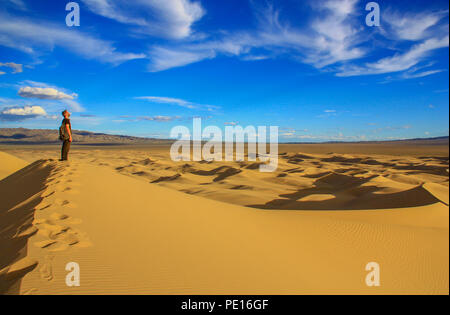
22	113
159	118
166	100
178	102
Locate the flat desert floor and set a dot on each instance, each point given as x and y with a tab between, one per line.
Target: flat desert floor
137	222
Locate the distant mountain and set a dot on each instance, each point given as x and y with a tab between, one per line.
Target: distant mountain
416	141
45	136
426	141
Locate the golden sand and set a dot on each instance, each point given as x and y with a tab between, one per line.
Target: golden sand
9	164
138	223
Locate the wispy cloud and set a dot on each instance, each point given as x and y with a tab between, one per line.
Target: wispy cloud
162	58
177	101
328	113
330	39
159	118
392	128
163	18
411	26
422	74
16	67
166	100
16	4
397	63
28	36
334	41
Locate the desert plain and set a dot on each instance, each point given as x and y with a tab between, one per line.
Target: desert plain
137	222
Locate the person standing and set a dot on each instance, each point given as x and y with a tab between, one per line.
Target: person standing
66	135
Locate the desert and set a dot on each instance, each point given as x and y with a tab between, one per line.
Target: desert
137	222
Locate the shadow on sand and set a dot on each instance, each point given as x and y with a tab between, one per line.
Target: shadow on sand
20	193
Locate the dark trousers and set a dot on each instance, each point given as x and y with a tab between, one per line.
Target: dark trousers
65	150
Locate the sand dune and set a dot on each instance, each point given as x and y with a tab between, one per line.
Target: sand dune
139	223
10	164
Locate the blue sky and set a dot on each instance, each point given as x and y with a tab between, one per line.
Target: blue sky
313	68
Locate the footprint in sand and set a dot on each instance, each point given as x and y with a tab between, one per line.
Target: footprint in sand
65	203
59	234
43	207
46	268
53	183
57	247
44	244
49	194
72	183
69	190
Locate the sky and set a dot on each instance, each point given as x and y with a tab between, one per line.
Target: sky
313	68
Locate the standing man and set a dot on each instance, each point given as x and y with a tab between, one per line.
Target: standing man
66	135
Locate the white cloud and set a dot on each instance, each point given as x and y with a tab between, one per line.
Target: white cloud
159	118
45	93
330	39
421	74
335	37
2	73
167	100
21	113
16	67
167	58
411	26
163	18
398	62
178	102
32	36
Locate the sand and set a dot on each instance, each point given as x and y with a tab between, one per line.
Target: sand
138	223
9	164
